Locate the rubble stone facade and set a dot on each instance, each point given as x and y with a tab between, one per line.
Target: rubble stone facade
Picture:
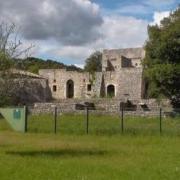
121	77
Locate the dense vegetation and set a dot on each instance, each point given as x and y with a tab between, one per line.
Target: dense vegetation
162	61
94	62
33	64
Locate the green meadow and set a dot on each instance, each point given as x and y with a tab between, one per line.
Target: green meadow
141	152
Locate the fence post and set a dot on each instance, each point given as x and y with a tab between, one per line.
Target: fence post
26	118
55	119
160	120
87	119
122	118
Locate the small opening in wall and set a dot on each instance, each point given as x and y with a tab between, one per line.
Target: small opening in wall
70	89
54	88
89	87
111	91
54	80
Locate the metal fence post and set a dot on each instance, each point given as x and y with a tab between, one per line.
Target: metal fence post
55	119
26	118
122	119
160	120
87	119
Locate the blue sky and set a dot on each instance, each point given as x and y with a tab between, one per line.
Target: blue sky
70	30
138	8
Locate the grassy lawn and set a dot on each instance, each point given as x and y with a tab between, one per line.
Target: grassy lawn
140	153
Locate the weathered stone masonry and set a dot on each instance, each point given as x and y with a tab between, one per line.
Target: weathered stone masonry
119	81
102	106
121	77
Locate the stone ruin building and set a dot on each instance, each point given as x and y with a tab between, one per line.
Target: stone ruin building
119	84
121	77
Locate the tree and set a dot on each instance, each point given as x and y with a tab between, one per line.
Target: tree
10	48
33	65
162	60
94	62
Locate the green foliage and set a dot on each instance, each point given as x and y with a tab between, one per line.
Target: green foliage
33	65
94	62
5	61
5	101
162	61
5	64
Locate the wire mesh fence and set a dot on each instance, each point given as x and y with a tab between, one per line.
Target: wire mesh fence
89	120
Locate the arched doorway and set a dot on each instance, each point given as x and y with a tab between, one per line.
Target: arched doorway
70	89
110	91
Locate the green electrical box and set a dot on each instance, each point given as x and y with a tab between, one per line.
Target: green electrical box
16	117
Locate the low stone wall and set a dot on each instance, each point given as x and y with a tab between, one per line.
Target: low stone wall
143	107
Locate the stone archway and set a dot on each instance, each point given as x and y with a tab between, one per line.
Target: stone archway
70	89
110	90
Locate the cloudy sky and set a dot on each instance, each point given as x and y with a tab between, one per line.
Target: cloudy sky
70	30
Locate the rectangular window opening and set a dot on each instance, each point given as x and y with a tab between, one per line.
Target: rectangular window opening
54	88
89	87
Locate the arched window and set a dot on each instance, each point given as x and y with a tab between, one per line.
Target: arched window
110	91
70	89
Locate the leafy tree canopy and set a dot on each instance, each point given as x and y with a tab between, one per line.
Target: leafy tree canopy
94	62
33	65
162	61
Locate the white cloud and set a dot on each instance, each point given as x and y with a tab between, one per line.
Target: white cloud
123	32
158	16
70	22
77	53
79	65
116	32
73	29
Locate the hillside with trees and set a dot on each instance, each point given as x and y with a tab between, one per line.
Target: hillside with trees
33	65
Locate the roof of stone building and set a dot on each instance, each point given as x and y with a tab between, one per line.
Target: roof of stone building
127	52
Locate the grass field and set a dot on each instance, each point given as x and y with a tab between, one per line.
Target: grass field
139	153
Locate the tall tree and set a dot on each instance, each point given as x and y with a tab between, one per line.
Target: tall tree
94	62
162	61
10	48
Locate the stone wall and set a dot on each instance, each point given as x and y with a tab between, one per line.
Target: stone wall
30	90
114	57
125	81
59	78
102	106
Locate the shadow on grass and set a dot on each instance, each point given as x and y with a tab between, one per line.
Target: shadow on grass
59	153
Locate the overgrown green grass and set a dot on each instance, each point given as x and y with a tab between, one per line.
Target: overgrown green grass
140	153
103	125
